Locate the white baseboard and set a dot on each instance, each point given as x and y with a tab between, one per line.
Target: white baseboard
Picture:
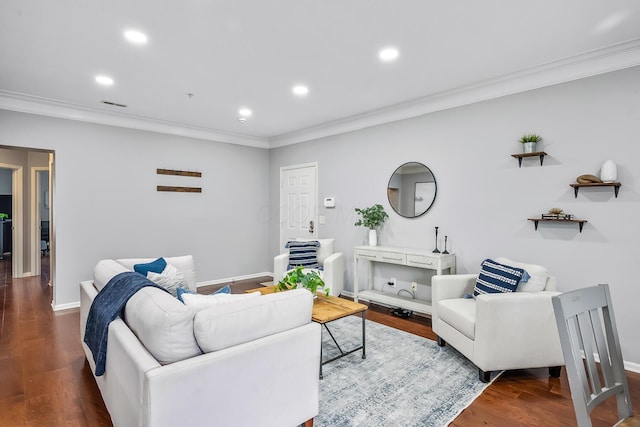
233	279
67	306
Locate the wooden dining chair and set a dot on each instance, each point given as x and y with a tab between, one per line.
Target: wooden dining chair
587	328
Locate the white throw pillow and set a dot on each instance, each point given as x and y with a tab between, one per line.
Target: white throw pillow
538	275
199	302
171	279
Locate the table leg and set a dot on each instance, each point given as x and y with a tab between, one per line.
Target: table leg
364	318
320	356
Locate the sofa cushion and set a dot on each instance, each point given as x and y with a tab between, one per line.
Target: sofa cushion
538	275
162	324
105	270
202	302
303	253
185	264
460	313
325	249
497	278
232	324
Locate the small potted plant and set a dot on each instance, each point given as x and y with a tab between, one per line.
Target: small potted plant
297	278
3	216
529	142
372	217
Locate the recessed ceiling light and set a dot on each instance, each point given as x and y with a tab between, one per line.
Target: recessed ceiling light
244	112
104	80
135	36
300	90
388	54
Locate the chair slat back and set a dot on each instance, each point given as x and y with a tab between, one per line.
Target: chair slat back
587	328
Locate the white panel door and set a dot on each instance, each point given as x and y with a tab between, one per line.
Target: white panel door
298	202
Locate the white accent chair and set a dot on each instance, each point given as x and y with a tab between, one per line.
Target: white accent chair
498	331
332	265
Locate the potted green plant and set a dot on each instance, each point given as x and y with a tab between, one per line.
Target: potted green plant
3	216
371	218
529	142
297	278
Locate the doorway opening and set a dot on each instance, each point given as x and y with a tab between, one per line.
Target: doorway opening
30	200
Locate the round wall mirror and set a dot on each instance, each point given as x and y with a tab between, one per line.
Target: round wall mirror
412	189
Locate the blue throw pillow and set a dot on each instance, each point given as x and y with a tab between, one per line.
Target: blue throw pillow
226	289
156	266
303	253
497	278
180	292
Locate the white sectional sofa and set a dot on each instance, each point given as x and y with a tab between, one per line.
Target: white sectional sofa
259	367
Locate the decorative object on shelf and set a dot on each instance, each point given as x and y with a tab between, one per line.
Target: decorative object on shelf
297	278
530	142
372	217
540	154
609	171
588	179
445	245
3	216
557	214
436	251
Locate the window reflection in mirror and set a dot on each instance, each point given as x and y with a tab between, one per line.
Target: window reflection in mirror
412	189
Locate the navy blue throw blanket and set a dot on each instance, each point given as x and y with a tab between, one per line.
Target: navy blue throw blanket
107	305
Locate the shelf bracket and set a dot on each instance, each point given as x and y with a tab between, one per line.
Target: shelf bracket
541	159
519	162
575	192
580	225
535	225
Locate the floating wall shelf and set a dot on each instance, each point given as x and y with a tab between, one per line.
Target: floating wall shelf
540	154
615	185
580	222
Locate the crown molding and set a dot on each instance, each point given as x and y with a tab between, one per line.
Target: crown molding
64	110
601	61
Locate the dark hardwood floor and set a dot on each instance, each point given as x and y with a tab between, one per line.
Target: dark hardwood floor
45	381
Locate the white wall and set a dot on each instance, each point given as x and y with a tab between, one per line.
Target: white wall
484	199
106	204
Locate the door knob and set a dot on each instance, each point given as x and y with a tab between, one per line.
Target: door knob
310	226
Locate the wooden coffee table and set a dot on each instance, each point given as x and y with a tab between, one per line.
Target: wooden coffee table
326	309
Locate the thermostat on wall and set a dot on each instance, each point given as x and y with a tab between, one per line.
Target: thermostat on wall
329	202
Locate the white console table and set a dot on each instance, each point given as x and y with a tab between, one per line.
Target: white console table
418	258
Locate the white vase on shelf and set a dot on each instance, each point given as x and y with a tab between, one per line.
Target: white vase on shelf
373	237
609	171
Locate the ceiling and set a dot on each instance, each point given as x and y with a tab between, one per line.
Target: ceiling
249	53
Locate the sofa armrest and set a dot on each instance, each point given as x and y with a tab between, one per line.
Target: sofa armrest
448	287
280	264
333	276
523	320
452	286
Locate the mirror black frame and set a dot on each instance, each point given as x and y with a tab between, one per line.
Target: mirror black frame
398	209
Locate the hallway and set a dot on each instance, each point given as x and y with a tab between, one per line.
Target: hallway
43	376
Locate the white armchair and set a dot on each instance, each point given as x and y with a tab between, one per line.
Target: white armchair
498	331
332	266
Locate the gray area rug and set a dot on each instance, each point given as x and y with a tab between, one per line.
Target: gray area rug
406	380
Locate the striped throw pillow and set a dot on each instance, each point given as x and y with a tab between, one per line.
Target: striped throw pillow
303	253
497	278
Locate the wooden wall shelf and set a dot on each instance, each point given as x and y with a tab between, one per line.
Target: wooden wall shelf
615	185
521	156
580	222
